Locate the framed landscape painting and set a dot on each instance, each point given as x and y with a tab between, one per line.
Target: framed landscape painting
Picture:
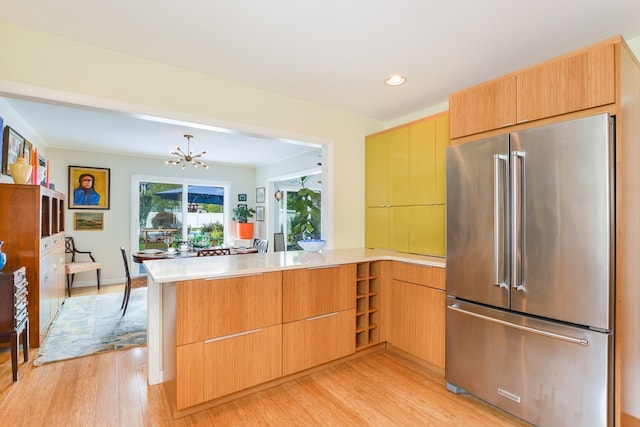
88	221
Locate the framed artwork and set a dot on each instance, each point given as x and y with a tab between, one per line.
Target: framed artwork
89	187
12	148
43	163
259	213
242	205
88	221
27	149
242	197
260	195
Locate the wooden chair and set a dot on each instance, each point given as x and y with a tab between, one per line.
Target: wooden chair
77	266
214	251
127	287
278	242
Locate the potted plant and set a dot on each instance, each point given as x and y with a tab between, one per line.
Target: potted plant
241	214
306	222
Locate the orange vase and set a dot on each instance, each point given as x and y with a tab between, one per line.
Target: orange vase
245	230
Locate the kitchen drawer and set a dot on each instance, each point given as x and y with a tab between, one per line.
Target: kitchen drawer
434	277
311	292
214	308
317	340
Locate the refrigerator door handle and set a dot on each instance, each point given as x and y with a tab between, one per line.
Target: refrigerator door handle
499	223
580	341
518	186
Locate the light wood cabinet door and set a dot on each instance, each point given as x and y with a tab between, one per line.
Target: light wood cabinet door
427	234
417	321
214	308
376	227
310	292
214	368
572	83
190	376
376	170
317	340
422	162
488	106
240	361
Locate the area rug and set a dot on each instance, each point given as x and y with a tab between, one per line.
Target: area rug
94	324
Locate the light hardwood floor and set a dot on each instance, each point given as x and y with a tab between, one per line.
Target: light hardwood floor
382	388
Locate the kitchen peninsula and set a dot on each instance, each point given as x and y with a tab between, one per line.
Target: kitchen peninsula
220	325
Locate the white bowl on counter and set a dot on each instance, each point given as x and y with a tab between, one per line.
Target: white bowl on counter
312	245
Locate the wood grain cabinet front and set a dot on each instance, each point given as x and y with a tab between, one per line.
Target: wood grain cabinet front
318	313
416	322
220	366
220	307
573	82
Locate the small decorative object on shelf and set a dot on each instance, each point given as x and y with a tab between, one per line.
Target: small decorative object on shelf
20	171
3	257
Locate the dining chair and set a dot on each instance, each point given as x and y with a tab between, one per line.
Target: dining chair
262	246
278	242
127	287
214	251
75	265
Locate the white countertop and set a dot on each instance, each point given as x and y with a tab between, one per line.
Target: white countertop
173	270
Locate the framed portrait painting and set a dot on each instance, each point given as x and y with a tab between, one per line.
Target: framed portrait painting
89	187
12	146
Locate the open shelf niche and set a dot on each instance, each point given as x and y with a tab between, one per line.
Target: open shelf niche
367	304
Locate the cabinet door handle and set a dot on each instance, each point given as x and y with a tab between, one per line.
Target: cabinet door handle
226	337
319	267
322	316
234	276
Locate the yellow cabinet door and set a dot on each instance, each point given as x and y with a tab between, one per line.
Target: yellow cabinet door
427	234
376	170
417	321
313	341
243	360
309	292
214	308
399	228
571	83
488	106
422	162
376	232
442	142
398	151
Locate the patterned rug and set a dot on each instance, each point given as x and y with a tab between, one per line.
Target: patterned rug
94	324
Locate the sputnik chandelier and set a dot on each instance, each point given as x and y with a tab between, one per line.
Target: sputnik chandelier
188	157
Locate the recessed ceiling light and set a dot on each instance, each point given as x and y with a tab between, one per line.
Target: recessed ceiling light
395	80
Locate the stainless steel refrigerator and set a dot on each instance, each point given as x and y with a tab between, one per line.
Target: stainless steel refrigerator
530	271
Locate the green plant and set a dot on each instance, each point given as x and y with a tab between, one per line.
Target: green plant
306	222
242	214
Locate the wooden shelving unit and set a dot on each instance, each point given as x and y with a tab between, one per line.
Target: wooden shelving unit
33	236
368	285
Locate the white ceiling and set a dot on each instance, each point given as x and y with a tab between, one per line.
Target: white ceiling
330	52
